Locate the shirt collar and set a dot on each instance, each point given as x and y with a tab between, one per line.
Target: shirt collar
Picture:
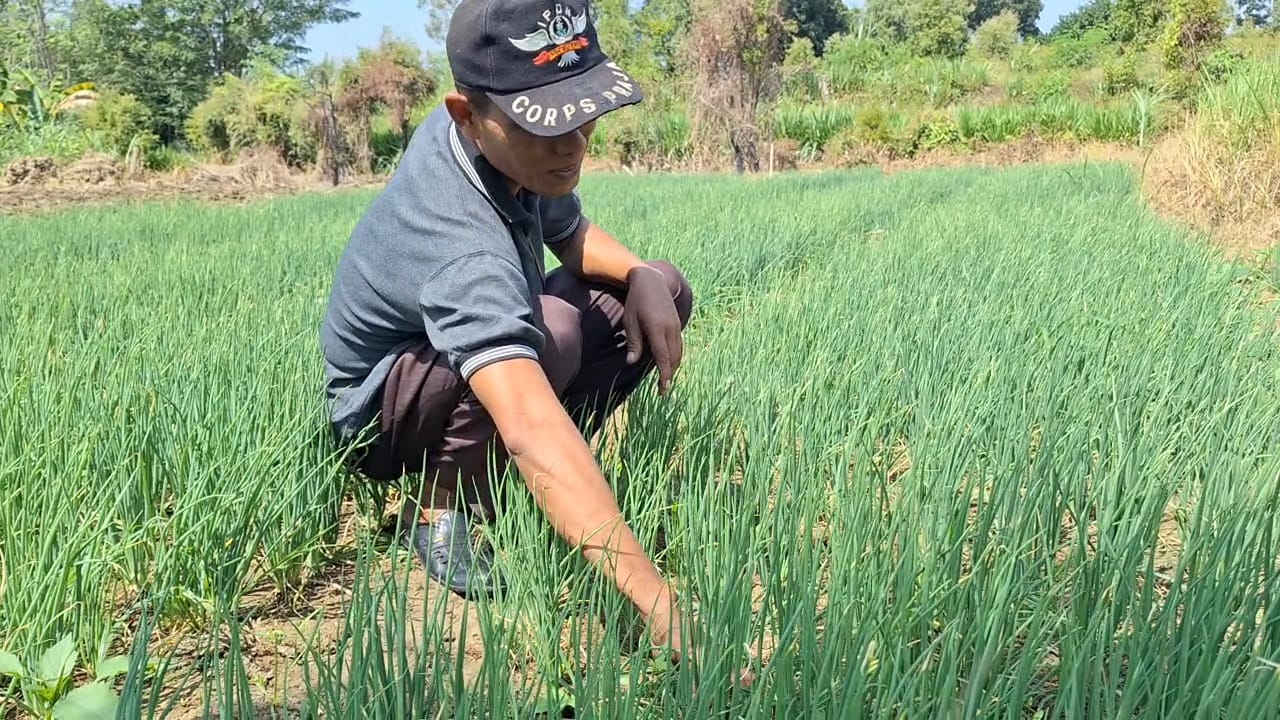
486	178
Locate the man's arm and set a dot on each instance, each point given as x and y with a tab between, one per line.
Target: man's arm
650	317
593	254
559	469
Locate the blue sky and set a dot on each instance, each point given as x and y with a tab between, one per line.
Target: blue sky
406	20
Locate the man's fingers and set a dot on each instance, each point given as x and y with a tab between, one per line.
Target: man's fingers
662	357
635	338
675	346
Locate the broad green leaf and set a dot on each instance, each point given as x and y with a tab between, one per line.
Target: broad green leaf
118	665
58	661
94	701
10	665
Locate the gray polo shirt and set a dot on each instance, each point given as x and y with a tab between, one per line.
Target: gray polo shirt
444	254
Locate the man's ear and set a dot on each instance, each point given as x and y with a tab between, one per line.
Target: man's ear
460	110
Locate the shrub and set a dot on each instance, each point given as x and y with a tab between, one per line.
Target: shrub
852	62
1040	87
165	158
1221	64
265	109
386	143
872	125
883	129
937	131
997	37
800	70
1070	52
389	79
118	118
1194	30
1120	75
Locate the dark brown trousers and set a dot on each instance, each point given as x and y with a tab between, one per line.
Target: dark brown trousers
434	430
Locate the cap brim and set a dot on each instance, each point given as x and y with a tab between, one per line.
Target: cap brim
564	106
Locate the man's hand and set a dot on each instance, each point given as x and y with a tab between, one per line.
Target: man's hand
650	317
668	629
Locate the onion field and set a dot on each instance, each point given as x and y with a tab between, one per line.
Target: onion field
946	444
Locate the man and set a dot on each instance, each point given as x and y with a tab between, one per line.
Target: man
445	337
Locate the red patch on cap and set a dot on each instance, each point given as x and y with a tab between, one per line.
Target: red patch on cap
574	45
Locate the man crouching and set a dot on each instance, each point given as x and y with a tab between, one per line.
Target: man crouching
445	335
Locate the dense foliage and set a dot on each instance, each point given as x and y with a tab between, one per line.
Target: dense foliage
835	84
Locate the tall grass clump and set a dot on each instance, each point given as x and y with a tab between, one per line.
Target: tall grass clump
920	461
1225	164
65	142
1130	121
813	126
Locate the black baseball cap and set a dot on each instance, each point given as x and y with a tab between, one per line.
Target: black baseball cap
540	61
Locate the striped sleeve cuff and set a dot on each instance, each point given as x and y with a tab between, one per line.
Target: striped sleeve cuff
566	233
492	355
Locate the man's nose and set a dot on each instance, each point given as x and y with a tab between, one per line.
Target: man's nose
570	143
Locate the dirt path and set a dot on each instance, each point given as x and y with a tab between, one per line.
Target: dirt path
35	185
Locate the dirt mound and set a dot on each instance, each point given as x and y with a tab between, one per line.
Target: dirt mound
252	172
92	170
30	171
36	186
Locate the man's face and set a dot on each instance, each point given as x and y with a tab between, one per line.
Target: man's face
546	166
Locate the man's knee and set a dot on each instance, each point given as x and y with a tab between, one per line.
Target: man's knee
681	292
562	351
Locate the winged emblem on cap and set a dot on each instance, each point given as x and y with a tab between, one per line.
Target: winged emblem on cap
560	34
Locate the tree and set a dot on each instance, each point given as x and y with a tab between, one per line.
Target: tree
1093	15
168	52
391	78
1138	20
929	27
940	27
1027	12
997	37
662	27
616	30
1194	30
438	14
1255	13
817	20
737	47
28	35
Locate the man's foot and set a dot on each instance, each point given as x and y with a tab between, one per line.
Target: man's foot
445	548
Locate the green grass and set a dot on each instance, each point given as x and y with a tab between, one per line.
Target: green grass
1135	120
1245	108
64	142
902	399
